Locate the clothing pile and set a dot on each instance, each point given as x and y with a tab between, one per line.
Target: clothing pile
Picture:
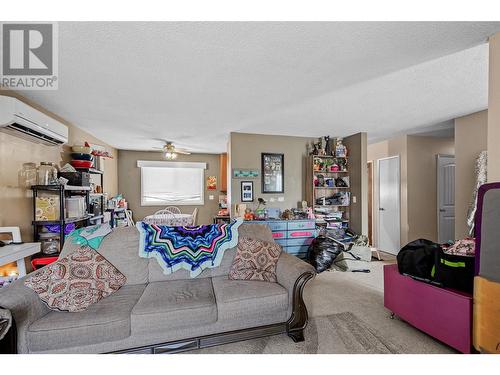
337	199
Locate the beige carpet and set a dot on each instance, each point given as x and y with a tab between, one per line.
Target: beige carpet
347	315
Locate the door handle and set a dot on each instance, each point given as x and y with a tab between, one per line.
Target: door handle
381	209
442	210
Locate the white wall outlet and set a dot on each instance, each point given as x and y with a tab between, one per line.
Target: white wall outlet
353	199
210	197
281	199
272	199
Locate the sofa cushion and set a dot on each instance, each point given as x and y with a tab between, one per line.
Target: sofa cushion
121	248
238	299
255	260
175	304
75	282
107	320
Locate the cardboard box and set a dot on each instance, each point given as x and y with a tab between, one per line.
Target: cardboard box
486	315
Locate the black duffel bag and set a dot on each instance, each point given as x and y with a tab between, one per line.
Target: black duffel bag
418	258
454	271
322	252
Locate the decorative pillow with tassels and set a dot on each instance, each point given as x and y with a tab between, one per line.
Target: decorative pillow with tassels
190	248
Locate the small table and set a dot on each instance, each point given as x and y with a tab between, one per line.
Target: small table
17	253
174	220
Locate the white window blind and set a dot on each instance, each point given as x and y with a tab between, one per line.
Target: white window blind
171	183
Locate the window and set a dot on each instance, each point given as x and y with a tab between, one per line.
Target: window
176	183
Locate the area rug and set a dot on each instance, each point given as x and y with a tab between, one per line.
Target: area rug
337	333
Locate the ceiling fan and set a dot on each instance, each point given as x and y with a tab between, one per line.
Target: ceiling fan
171	151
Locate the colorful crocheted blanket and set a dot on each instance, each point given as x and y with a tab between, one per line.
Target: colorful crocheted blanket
190	248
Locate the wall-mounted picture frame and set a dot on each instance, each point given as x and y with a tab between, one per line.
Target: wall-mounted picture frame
273	173
212	183
245	173
247	191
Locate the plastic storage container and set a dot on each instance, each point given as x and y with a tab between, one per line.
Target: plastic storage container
47	173
27	175
75	207
49	243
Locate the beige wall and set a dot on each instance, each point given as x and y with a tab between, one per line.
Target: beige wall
392	147
417	157
470	139
357	146
494	110
422	184
15	202
245	153
129	183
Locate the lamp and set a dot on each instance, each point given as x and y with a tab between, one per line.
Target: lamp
169	155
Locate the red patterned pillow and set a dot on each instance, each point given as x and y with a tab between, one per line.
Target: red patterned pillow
75	282
255	260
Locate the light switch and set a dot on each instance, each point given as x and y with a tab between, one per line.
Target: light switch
353	199
211	197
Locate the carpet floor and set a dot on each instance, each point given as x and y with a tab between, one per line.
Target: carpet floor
347	315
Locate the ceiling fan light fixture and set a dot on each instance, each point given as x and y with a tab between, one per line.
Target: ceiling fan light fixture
169	155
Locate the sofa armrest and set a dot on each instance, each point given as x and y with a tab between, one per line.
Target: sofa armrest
289	269
293	274
25	307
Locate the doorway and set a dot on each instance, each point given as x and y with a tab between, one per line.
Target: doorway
446	198
389	231
370	202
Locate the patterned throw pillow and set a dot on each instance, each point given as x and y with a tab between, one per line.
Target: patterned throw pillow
255	260
75	282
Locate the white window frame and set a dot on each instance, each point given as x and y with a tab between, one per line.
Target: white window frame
172	164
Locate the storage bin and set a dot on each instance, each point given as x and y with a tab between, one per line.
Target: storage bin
76	178
47	208
49	243
75	207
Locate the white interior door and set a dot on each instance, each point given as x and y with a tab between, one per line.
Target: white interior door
389	205
446	197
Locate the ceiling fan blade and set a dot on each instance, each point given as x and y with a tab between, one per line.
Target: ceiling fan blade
158	148
183	152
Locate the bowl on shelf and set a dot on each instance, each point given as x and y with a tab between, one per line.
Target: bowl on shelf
82	163
81	149
80	156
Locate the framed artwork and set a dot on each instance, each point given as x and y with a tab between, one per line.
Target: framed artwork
247	191
273	173
245	173
212	183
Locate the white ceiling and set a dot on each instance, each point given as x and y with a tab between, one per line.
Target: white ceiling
193	83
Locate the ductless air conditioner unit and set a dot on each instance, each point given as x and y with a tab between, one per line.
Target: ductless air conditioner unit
21	120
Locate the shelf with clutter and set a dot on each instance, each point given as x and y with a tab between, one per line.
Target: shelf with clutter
328	183
68	197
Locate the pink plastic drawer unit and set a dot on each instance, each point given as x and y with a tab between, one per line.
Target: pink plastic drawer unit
442	313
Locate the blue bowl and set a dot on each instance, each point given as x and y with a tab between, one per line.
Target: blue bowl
78	156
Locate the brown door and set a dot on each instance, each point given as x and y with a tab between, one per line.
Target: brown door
223	172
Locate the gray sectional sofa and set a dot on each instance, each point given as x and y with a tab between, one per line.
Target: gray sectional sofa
158	313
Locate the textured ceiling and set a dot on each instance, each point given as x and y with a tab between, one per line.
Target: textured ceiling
193	83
